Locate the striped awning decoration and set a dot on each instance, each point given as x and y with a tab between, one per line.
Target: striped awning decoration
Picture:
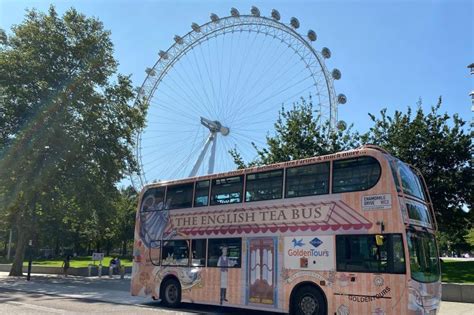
313	216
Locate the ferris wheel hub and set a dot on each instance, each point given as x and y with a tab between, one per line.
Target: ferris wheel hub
215	126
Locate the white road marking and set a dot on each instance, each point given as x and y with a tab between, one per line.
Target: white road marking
37	307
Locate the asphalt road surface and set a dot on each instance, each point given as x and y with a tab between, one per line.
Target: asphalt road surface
75	295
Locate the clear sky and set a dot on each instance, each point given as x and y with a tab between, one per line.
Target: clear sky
390	53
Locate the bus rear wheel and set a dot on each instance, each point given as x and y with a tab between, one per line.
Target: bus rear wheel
308	301
171	293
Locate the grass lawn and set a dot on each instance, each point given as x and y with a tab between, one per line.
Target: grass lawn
77	262
457	271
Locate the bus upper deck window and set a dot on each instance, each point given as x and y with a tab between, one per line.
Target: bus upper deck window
226	190
179	196
307	180
201	195
355	174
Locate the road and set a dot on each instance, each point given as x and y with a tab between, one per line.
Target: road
55	295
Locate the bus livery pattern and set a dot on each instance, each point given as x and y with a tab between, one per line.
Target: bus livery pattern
268	270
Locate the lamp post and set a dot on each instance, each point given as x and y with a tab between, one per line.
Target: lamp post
42	156
471	67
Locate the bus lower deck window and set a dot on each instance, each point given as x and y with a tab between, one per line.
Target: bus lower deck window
361	253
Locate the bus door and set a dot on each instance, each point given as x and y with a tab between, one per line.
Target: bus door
261	271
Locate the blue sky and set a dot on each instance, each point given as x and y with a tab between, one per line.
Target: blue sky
390	53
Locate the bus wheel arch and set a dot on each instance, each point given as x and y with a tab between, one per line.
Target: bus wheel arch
170	291
305	292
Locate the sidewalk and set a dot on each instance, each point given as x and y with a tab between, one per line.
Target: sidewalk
106	289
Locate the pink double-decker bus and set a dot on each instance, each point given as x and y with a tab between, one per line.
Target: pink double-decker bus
346	233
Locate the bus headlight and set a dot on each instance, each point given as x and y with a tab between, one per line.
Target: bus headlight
414	295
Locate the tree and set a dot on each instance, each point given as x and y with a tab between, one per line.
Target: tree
66	130
435	143
298	135
124	225
439	147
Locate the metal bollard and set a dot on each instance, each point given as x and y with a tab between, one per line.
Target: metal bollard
89	270
100	270
111	271
122	272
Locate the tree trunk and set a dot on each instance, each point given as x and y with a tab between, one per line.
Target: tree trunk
56	246
17	266
107	248
124	248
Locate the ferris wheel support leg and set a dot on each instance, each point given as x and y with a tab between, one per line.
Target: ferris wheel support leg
198	163
212	158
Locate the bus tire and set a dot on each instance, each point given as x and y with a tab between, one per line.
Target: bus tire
308	300
171	293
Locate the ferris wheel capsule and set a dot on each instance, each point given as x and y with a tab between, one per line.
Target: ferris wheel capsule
196	27
341	125
178	39
255	11
341	99
234	12
312	35
163	54
294	23
326	52
140	91
150	72
276	15
214	18
336	74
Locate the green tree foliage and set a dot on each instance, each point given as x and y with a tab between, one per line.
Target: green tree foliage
435	143
66	127
439	147
124	226
298	135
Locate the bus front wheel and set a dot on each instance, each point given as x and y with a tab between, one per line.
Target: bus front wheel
171	293
308	301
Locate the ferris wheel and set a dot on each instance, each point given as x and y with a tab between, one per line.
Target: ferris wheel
220	87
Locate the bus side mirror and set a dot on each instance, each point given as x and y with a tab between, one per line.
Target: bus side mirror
379	240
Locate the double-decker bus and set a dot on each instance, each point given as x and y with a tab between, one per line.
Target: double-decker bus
346	233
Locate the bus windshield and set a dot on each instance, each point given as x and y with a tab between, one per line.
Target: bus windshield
424	260
411	183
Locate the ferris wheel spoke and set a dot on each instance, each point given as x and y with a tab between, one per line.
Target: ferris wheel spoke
202	80
189	86
242	65
279	75
236	64
241	86
271	78
247	81
187	99
283	88
254	97
213	99
161	104
204	99
289	98
192	100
